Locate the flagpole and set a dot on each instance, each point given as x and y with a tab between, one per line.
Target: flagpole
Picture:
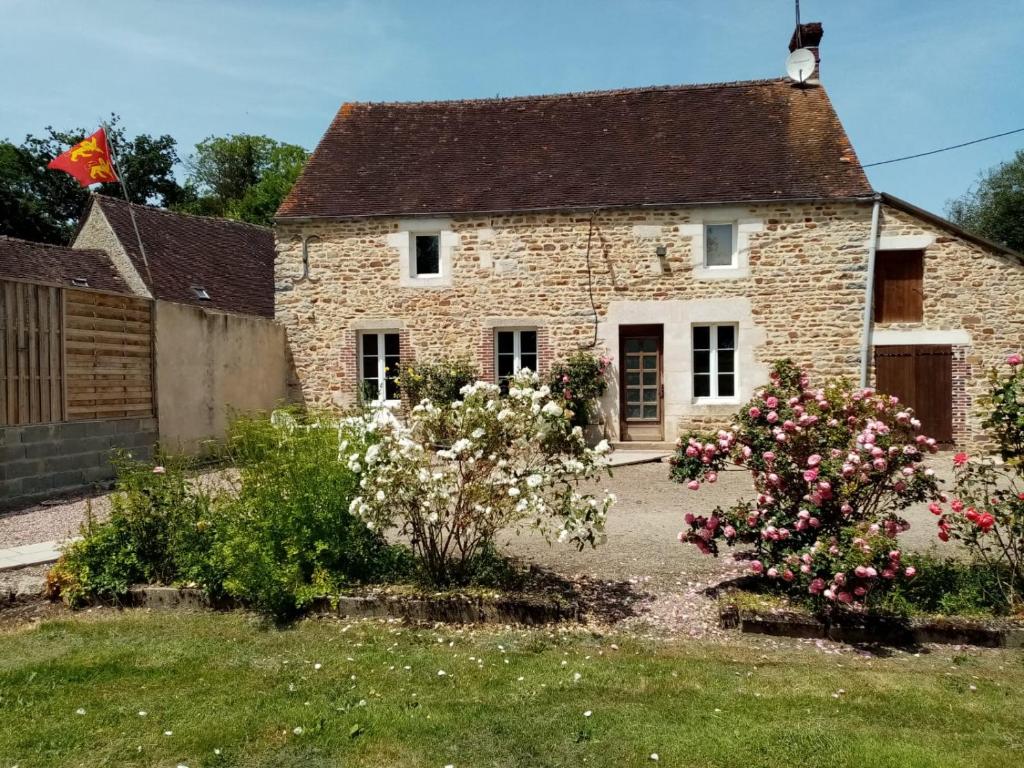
128	200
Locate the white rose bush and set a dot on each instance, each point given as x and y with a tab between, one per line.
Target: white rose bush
452	476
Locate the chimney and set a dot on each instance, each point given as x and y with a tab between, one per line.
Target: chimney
809	36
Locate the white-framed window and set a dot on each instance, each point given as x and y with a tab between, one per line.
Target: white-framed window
379	362
426	255
514	349
714	363
720	249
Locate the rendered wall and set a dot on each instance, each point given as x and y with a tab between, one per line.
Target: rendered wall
209	364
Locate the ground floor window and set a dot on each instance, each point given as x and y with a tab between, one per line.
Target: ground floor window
714	362
514	350
379	365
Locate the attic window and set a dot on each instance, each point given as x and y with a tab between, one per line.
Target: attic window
428	256
200	293
79	282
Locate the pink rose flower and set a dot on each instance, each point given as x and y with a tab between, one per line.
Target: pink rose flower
693	485
771	401
910	571
1015	359
159	471
757	567
754	412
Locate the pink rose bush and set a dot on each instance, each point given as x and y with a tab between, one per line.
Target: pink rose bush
831	468
986	512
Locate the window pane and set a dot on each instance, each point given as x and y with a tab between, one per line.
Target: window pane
632	411
726	337
718	245
650	411
390	388
369	343
632	379
390	343
632	345
649	345
726	361
650	363
650	377
528	342
702	337
506	342
701	362
632	362
427	255
506	366
701	385
528	361
726	385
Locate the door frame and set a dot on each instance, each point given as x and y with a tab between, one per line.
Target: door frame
657	428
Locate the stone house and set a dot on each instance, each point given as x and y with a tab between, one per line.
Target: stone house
695	233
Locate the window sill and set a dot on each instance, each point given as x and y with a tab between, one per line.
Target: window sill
432	281
702	272
716	401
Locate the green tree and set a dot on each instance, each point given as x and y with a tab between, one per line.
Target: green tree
994	207
241	177
39	204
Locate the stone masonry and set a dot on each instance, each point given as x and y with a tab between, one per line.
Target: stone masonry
800	293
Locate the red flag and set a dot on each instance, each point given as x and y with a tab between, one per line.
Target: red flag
88	161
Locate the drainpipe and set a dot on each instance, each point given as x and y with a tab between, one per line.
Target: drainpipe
869	292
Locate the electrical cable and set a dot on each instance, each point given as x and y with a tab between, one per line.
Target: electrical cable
943	149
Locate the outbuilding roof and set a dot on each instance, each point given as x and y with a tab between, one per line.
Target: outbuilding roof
230	262
58	265
728	142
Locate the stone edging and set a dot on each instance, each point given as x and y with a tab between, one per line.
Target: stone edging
452	609
875	629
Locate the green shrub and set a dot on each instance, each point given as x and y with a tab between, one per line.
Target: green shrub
581	381
161	530
946	587
287	533
439	382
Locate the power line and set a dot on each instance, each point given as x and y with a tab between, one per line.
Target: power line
944	149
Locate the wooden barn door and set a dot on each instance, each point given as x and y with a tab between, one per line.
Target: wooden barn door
922	377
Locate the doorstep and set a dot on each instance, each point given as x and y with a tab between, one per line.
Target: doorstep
623	457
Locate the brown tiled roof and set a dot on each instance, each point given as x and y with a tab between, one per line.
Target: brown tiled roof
232	260
55	264
730	142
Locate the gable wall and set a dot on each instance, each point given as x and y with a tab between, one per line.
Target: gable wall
96	232
801	293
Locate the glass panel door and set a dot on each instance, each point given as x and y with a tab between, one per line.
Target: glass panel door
641	372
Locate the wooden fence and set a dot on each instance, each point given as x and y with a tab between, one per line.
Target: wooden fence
69	355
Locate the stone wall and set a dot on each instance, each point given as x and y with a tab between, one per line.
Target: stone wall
44	461
798	292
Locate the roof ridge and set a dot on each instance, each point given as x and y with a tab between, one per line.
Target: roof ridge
222	219
574	94
41	244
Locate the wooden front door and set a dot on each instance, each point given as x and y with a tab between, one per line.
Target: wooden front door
641	384
921	377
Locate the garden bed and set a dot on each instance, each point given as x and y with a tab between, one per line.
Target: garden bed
789	621
445	607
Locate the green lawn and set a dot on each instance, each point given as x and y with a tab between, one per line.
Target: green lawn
73	692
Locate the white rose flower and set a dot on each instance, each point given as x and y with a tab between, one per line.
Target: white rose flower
551	408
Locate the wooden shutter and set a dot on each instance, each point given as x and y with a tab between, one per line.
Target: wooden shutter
921	377
899	286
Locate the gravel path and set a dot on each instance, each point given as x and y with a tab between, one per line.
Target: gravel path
54	522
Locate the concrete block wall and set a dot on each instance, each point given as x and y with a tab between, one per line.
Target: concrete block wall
44	461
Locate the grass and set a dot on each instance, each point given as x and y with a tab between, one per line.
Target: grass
230	683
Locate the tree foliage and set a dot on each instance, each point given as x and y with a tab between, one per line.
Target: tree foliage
40	204
241	177
994	207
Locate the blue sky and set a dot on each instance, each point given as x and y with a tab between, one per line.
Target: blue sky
905	76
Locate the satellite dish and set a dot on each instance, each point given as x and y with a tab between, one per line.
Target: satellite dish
800	65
